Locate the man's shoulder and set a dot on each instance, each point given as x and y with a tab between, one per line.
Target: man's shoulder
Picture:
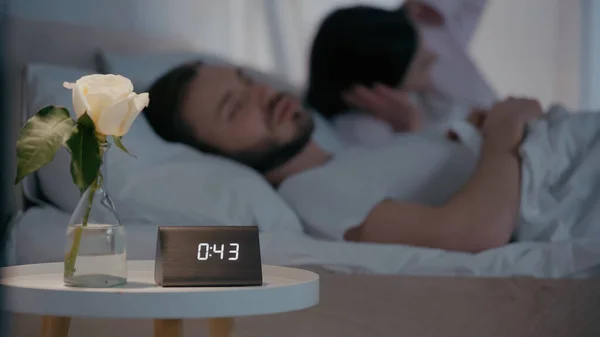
339	173
309	178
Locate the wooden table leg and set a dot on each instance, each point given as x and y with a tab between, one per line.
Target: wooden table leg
220	327
168	328
54	326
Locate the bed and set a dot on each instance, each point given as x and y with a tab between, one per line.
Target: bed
503	301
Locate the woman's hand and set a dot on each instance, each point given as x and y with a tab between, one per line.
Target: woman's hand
504	126
423	13
510	115
390	105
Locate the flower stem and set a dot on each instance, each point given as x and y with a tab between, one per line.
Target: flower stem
71	257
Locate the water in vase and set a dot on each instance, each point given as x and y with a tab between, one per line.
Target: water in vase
101	259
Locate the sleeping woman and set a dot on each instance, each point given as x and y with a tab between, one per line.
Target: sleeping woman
370	74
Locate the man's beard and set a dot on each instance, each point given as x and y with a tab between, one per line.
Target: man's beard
272	155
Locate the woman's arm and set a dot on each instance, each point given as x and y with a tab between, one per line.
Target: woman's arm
459	16
482	215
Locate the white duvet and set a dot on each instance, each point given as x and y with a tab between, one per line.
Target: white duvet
560	176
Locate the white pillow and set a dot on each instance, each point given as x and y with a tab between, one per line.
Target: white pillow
172	184
191	188
43	87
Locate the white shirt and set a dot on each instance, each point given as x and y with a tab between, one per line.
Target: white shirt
339	195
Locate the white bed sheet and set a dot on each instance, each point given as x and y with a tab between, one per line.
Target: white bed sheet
39	236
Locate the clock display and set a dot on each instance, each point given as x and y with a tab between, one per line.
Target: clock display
229	252
208	256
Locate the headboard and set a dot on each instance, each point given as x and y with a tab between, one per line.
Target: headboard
68	45
72	45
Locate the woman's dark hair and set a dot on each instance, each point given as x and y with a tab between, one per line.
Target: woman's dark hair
164	110
358	45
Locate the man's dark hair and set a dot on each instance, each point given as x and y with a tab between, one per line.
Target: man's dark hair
164	113
358	45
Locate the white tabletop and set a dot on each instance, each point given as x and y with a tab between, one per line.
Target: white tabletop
38	289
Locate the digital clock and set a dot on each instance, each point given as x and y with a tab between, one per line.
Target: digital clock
208	256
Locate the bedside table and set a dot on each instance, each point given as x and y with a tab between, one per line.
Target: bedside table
38	289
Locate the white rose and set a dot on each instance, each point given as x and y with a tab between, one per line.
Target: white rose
109	100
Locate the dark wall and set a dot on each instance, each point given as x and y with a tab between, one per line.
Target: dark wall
6	121
6	188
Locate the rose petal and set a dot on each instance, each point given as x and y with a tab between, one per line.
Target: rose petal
141	101
136	105
106	81
98	102
114	87
80	104
111	118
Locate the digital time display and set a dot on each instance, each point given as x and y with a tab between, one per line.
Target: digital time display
208	256
229	252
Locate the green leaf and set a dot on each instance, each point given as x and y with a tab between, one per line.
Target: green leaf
86	121
85	153
120	145
41	137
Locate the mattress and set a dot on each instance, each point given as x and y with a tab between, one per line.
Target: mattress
370	305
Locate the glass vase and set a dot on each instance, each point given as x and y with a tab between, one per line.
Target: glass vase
95	254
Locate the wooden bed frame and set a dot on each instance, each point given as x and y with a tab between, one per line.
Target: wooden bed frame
351	305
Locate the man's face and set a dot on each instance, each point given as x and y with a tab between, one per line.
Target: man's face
242	118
